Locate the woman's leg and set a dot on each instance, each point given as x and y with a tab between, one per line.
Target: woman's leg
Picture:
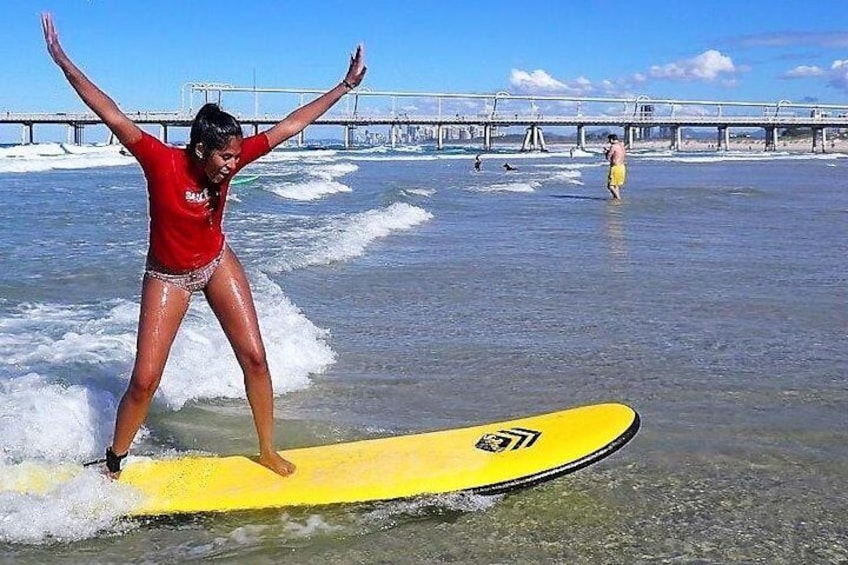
228	293
163	306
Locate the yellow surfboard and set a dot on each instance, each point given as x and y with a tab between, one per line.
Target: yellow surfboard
488	459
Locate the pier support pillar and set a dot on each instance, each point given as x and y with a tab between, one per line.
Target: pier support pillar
301	138
533	139
27	134
771	138
816	133
581	137
79	134
487	137
348	135
440	136
528	140
393	135
723	138
676	138
256	129
629	132
164	131
540	140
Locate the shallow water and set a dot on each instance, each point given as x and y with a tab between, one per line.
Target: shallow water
401	292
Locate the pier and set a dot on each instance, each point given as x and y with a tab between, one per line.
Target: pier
480	116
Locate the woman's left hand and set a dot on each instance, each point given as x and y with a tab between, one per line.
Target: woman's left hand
357	68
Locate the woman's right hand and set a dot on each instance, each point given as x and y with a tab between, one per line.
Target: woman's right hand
51	37
125	129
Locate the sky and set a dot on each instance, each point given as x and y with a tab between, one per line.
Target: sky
142	53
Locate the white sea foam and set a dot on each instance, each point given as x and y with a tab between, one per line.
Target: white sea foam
518	186
44	415
427	505
49	409
49	156
68	504
724	156
573	166
334	170
61	414
308	190
312	526
345	237
40	419
427	193
568	177
53	334
199	367
33	151
319	182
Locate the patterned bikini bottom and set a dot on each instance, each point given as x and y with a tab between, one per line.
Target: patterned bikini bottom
190	281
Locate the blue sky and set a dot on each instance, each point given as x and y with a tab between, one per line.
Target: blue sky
141	53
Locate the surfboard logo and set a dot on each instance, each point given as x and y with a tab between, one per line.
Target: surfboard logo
513	438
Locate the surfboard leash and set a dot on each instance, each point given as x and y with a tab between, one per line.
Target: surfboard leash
113	462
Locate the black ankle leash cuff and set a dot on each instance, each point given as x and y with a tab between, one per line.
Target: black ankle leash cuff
113	462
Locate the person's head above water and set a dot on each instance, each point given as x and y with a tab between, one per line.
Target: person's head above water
215	141
612	138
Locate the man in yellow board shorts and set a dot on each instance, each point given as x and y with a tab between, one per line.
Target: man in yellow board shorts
617	172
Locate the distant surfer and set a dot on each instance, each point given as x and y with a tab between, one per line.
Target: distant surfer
187	189
478	163
508	167
617	172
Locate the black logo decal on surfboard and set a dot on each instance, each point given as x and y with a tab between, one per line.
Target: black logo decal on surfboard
513	438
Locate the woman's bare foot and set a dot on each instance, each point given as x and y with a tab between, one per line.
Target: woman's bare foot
273	461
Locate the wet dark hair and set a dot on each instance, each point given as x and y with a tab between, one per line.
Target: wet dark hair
212	127
612	137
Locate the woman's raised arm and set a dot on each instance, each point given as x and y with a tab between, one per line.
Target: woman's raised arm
124	129
308	113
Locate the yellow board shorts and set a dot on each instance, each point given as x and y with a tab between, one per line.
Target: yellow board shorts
617	175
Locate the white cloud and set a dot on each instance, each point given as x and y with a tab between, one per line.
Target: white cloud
838	75
711	65
707	66
804	71
582	83
540	82
537	80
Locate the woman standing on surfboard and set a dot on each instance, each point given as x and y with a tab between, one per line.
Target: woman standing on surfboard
187	189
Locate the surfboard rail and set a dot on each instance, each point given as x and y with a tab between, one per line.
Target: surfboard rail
483	459
524	482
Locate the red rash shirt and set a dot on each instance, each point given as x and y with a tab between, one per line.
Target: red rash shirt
185	234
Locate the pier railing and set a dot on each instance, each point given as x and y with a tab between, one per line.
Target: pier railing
261	107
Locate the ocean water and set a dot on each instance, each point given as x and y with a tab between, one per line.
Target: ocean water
399	291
